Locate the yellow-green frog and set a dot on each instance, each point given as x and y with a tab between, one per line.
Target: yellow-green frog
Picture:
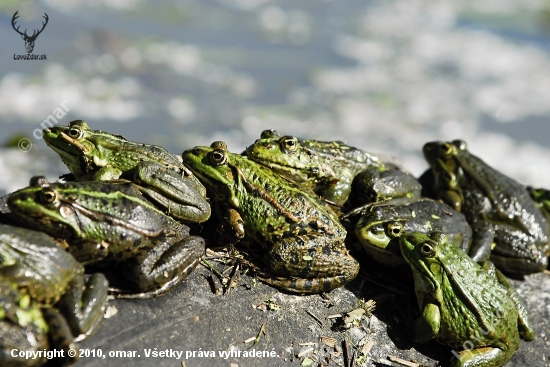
470	307
95	155
302	237
333	169
112	223
498	208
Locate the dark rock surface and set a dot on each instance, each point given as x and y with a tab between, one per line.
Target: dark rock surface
192	319
198	323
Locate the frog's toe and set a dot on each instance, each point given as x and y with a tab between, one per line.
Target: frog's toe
307	286
486	356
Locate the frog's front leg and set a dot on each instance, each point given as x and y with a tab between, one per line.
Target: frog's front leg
60	337
321	263
231	225
103	174
83	305
155	271
482	243
427	326
393	186
180	196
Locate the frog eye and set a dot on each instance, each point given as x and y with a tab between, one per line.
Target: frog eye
289	144
217	157
219	145
461	144
427	249
75	132
268	134
48	196
395	229
38	181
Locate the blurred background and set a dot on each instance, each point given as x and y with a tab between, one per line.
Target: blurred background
385	76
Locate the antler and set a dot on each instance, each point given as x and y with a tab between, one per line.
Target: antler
34	34
15	16
43	26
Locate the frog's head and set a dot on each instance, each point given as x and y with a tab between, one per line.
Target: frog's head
81	148
442	158
42	206
285	155
379	227
424	253
213	166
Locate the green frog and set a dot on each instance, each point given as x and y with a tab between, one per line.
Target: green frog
112	223
52	277
333	169
94	155
300	234
498	208
470	307
380	228
22	327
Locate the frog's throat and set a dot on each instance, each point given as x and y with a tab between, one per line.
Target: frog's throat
72	141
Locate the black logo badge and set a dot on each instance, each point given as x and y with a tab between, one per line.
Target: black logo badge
29	40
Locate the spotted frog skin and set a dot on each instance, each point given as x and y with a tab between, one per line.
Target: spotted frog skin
498	208
302	237
22	327
108	223
380	228
95	155
470	307
52	277
331	168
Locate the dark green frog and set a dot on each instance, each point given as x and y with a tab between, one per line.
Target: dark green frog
470	307
380	228
52	277
301	236
332	169
22	327
108	223
498	208
94	155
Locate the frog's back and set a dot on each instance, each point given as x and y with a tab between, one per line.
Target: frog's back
125	154
476	307
274	208
507	197
341	156
47	266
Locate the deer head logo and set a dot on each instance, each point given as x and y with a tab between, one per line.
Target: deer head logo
29	40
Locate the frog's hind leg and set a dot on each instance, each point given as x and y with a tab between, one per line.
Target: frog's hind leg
301	285
84	305
316	263
161	291
162	267
485	356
